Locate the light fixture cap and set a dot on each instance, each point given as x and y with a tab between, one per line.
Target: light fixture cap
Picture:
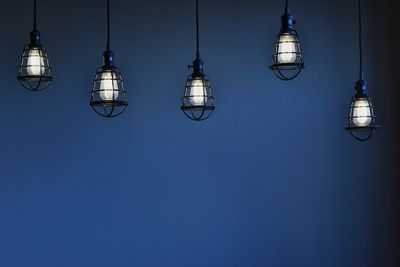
361	88
35	39
198	67
108	59
288	22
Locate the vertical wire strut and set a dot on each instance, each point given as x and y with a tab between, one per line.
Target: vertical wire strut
197	31
360	39
108	26
34	15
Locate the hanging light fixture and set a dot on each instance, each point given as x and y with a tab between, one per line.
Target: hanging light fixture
34	70
361	121
287	60
109	97
198	101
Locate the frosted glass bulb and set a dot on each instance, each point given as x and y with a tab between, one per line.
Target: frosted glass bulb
108	87
362	115
35	64
197	92
287	49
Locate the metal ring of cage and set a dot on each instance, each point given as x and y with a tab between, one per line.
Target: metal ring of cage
38	81
117	104
198	113
296	66
369	129
203	106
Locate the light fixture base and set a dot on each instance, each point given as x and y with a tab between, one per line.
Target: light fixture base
288	23
108	59
198	67
361	88
35	39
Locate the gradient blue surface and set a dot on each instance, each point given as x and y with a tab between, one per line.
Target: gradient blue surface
271	179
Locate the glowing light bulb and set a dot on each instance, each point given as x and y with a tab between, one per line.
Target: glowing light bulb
35	64
287	49
362	115
108	87
197	92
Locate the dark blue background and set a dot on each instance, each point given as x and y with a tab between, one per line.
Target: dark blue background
271	179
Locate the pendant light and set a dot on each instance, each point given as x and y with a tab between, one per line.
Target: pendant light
34	70
287	60
361	121
109	97
198	101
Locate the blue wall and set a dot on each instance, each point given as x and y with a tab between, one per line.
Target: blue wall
271	179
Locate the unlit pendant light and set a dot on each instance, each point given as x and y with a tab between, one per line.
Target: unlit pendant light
34	70
198	101
287	60
361	121
109	97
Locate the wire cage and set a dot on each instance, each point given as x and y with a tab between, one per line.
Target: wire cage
34	70
108	97
362	120
198	101
287	59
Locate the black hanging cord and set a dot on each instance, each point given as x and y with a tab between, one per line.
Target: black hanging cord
360	39
197	30
287	7
34	15
108	26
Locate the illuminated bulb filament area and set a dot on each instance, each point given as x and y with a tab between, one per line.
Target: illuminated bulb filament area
197	93
35	64
109	87
287	49
362	115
